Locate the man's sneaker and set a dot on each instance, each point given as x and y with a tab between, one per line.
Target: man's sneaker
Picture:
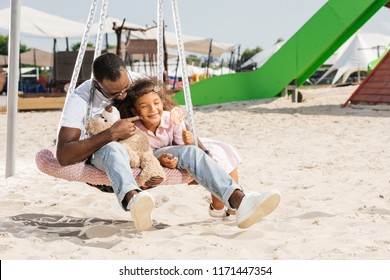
255	206
141	206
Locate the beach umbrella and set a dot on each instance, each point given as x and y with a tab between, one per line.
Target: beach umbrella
3	59
37	57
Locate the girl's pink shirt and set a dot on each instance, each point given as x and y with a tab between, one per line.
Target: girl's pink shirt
167	134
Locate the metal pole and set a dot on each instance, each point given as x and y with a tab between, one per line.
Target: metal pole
13	79
209	58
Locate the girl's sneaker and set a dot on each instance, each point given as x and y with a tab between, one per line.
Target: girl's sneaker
218	213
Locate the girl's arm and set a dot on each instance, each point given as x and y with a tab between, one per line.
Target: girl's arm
200	145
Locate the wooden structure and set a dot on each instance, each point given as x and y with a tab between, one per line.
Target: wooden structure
375	89
65	61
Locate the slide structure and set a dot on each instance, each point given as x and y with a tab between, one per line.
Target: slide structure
295	61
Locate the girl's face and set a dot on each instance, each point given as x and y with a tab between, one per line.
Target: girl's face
150	108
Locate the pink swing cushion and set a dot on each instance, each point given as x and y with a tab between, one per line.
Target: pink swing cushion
87	173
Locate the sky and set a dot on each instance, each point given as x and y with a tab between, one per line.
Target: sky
248	23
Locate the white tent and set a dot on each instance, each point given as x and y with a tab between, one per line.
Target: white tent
192	44
37	23
261	57
358	52
41	24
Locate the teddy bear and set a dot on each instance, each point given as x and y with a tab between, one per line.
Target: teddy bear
141	154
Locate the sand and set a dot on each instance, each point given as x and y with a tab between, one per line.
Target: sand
330	164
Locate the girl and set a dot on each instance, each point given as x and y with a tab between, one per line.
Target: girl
174	147
224	154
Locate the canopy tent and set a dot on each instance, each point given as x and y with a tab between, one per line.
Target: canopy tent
37	57
32	57
3	60
195	70
192	44
362	48
41	24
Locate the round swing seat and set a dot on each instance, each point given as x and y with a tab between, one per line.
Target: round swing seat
86	173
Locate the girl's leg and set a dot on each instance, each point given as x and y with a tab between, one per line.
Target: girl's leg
204	169
218	204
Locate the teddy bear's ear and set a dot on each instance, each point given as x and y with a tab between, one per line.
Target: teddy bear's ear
111	116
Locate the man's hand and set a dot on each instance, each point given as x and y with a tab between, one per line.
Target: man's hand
123	128
166	160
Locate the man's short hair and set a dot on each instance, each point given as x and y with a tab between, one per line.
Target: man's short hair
108	66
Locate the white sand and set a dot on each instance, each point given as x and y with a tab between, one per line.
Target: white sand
330	164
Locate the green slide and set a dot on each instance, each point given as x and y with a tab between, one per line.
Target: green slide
296	60
374	63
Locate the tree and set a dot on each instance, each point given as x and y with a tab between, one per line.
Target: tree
193	60
76	46
279	40
248	53
4	46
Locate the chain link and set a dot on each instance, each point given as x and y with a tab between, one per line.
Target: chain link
183	66
83	47
160	43
99	38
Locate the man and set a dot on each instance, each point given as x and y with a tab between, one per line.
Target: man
112	82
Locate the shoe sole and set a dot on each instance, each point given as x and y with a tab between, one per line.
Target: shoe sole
266	207
141	212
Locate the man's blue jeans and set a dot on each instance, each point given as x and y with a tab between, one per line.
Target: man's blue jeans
204	170
114	160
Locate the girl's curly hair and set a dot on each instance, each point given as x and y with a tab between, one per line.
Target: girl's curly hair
139	88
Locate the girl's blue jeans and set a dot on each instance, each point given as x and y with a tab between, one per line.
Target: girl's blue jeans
204	170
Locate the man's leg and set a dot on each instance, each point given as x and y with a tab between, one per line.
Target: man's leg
114	160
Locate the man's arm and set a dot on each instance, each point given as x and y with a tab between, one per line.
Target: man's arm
71	150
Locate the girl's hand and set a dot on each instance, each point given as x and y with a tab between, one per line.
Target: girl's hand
188	137
166	160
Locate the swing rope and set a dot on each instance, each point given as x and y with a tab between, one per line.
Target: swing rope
160	43
183	66
99	38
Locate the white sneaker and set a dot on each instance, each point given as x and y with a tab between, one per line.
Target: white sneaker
141	206
255	206
218	213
